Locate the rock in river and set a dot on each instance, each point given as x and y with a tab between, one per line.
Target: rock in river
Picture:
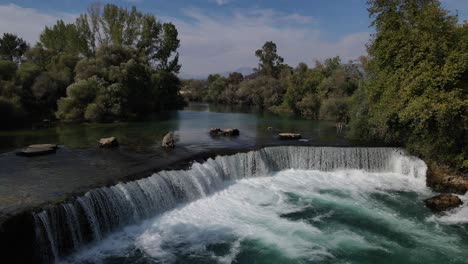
443	202
38	149
168	141
227	132
285	136
109	142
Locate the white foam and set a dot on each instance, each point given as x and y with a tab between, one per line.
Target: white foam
251	210
457	215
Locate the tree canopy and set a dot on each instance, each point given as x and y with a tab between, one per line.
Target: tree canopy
270	62
417	90
112	63
12	47
321	92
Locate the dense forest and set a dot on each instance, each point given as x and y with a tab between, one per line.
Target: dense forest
411	90
110	64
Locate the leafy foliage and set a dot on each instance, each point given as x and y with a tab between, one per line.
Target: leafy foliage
270	61
12	47
417	91
112	63
322	92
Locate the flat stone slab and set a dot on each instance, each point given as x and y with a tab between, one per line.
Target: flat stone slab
53	146
36	151
289	136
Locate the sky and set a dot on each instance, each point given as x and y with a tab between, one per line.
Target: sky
222	35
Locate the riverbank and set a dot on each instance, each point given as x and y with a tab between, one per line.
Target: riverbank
442	178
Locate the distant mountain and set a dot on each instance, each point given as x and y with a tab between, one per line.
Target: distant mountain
244	70
187	76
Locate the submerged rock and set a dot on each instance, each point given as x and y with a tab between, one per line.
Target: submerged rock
168	141
228	132
38	149
109	142
443	202
288	136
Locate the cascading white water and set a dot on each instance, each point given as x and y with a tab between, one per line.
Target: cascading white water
64	228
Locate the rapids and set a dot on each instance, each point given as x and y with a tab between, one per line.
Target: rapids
274	205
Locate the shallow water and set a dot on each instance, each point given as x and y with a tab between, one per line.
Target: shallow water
80	165
296	216
190	125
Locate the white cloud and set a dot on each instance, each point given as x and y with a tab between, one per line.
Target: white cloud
215	44
222	2
28	23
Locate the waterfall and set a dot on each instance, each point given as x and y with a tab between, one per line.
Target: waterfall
62	229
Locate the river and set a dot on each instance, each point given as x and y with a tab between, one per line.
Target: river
80	165
320	200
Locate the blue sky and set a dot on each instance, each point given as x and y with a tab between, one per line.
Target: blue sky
222	35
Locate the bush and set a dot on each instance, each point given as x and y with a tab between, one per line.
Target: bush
310	106
93	113
336	109
109	102
79	96
27	72
264	92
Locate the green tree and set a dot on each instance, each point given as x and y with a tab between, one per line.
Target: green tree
63	37
12	47
270	61
263	91
150	36
417	90
79	96
195	90
120	26
336	109
235	78
86	36
216	85
309	106
42	87
298	83
167	55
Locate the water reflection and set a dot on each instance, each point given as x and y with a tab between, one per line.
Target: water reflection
190	125
79	163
